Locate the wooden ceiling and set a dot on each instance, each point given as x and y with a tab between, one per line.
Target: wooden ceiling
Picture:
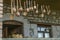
55	4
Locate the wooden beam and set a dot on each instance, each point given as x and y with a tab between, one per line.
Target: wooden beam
44	23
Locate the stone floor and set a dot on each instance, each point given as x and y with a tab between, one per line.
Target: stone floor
31	39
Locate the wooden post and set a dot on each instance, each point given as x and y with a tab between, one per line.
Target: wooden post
6	32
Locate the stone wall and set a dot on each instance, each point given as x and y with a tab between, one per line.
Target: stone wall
56	31
1	16
26	25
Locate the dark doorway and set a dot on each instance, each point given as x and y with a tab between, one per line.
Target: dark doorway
11	27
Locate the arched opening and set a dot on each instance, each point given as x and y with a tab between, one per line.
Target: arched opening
12	29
